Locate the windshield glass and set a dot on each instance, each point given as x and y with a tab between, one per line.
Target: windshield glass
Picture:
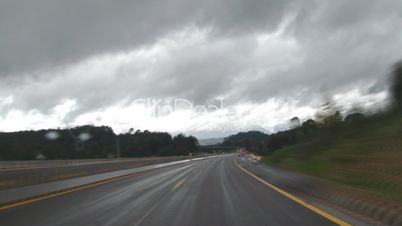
225	112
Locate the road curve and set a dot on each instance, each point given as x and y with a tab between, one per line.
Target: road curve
206	192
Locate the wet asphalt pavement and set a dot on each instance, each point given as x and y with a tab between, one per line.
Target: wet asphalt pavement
206	192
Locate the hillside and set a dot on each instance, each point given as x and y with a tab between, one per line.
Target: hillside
210	141
367	156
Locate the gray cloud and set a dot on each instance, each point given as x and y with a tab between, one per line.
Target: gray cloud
324	44
45	33
343	42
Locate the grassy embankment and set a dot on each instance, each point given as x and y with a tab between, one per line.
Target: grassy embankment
367	156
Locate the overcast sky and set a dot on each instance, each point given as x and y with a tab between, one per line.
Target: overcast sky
146	64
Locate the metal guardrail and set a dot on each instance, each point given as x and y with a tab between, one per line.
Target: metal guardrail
22	173
19	174
22	194
7	165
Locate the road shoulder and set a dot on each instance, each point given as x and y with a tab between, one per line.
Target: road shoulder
304	187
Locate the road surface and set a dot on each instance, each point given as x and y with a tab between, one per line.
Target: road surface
206	192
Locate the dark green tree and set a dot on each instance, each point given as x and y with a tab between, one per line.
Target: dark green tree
396	86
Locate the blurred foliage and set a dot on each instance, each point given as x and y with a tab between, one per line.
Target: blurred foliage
396	86
363	152
366	155
357	150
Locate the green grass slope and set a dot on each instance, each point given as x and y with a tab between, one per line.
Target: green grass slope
367	156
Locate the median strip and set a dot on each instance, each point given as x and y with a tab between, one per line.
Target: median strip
24	195
296	199
10	205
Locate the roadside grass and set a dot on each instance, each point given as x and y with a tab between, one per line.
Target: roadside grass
367	157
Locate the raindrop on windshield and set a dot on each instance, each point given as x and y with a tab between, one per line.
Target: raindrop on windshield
52	135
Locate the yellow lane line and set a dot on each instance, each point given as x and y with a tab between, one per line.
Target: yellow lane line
298	200
178	184
67	191
65	176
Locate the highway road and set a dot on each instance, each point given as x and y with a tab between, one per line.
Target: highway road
209	192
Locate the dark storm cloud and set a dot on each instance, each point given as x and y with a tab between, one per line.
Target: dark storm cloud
327	45
43	34
343	42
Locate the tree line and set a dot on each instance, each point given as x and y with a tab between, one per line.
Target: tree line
309	131
92	142
328	125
